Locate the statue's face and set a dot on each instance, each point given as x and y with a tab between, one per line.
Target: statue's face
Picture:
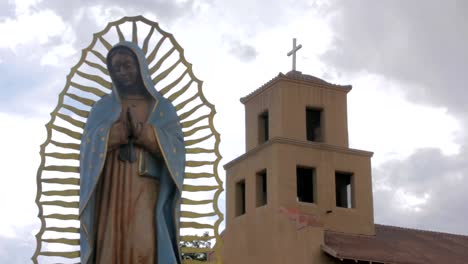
124	71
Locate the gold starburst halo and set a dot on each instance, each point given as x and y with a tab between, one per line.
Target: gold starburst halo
58	173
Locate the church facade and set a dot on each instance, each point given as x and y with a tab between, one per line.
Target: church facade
300	195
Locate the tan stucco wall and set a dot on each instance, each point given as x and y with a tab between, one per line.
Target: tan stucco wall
262	232
326	160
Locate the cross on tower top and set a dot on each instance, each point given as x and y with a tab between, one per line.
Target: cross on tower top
293	53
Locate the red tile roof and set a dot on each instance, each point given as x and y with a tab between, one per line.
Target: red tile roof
297	76
398	245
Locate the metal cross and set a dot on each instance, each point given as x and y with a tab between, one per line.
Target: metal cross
293	53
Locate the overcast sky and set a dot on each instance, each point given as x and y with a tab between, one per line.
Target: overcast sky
407	62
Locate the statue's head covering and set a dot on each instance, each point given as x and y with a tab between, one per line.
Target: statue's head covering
139	56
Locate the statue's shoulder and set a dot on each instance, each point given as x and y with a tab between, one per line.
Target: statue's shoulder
167	104
101	109
103	102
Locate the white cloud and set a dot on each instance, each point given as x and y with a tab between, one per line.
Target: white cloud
425	191
56	55
408	201
20	138
382	120
37	28
24	6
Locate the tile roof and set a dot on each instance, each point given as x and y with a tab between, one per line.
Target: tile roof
297	76
398	245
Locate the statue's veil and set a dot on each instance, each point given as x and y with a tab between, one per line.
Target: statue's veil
58	179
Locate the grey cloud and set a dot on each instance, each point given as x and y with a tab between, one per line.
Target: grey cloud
256	16
6	10
242	51
443	178
167	10
82	18
422	43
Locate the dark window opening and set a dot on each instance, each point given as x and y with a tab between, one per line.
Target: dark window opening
261	188
314	124
305	184
263	131
344	190
240	198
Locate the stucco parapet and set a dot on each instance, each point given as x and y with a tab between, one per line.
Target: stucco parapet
298	78
299	143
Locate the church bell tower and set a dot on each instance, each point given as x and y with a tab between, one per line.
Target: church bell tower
298	177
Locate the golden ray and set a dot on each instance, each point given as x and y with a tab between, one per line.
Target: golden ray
195	130
119	33
173	84
88	89
97	66
71	120
182	104
67	132
190	123
62	193
74	156
180	92
71	254
106	44
190	112
194	202
146	41
196	141
80	99
199	188
188	214
61	204
198	151
134	33
68	181
66	145
62	216
76	111
99	56
152	55
163	75
63	229
158	64
67	241
95	78
196	163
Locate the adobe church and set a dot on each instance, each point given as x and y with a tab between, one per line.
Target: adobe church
300	195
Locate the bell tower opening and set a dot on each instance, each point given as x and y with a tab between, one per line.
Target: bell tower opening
305	184
314	124
344	189
240	198
261	182
263	130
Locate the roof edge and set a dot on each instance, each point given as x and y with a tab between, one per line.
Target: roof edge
296	76
300	143
422	230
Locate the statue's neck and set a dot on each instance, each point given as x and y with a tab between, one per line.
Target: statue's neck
135	91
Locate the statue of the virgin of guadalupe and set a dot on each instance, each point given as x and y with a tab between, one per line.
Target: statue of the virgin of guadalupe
131	169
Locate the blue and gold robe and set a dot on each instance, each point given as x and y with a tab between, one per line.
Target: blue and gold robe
169	170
